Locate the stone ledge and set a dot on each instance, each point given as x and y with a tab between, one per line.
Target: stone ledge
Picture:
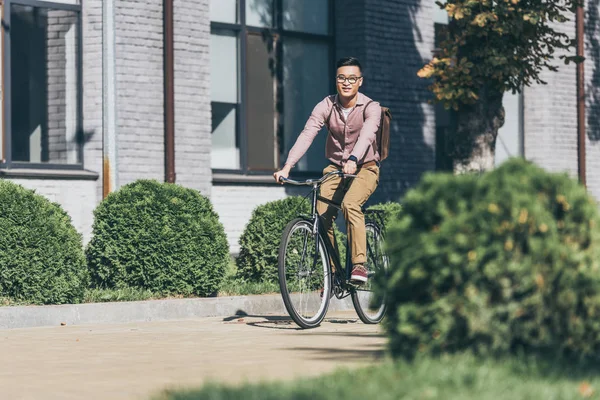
144	311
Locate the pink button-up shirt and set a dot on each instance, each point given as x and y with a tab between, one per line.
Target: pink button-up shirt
351	137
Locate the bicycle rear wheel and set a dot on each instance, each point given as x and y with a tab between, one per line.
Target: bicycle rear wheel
304	277
369	306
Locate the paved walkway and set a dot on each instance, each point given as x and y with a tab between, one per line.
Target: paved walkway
134	361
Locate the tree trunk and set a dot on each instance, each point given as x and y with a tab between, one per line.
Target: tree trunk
476	128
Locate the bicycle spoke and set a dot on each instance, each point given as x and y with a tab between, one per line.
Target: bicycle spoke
305	273
369	305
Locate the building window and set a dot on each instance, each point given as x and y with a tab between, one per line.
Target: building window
42	75
270	65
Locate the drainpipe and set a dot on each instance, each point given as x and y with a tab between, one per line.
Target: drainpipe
580	21
109	100
169	91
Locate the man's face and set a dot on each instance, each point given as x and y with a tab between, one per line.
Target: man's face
344	78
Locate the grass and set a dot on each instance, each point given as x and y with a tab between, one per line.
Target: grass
7	301
233	286
126	294
461	377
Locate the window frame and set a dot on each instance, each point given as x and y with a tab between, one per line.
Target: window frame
242	30
6	161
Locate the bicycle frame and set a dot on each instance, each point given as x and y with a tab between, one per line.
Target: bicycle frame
338	273
341	272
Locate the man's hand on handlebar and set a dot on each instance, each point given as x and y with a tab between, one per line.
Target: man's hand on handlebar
350	167
283	173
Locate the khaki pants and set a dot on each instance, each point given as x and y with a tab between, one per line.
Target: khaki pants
352	193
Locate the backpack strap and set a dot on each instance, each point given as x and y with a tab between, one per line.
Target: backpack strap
332	98
365	110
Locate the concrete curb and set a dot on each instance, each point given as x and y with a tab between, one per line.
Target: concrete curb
144	311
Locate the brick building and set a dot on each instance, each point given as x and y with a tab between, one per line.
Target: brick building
246	76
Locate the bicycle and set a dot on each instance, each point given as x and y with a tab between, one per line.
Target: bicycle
306	277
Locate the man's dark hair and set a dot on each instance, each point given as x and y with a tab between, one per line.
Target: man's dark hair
348	62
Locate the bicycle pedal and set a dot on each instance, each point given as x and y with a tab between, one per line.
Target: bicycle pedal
322	293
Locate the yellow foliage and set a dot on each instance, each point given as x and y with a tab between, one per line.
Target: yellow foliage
523	216
426	72
472	255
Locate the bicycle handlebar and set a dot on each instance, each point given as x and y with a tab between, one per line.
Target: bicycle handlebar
310	182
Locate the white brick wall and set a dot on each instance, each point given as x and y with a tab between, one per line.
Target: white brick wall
551	110
235	203
592	78
192	94
551	117
76	197
92	90
140	83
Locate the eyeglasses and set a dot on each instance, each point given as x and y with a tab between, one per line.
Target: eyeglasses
351	79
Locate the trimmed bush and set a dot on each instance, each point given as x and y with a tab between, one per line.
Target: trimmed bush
392	212
160	237
259	243
41	253
505	262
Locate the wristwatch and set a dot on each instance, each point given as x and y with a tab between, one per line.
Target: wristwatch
353	158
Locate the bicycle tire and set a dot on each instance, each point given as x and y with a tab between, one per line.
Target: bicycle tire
359	299
292	293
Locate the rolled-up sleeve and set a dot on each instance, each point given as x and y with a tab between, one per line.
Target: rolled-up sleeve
311	129
368	133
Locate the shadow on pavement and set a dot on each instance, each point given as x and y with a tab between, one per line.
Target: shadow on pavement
266	321
241	314
315	332
281	324
359	354
285	322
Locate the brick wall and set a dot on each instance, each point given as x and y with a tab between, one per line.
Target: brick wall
139	65
592	77
393	41
235	202
192	94
551	110
551	117
92	90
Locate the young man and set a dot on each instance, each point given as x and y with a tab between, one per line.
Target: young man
351	148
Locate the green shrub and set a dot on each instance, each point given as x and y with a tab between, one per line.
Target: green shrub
41	253
259	243
391	212
160	237
508	261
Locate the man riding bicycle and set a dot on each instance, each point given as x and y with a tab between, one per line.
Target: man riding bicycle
352	122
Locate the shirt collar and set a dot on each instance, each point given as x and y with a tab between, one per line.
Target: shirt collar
360	101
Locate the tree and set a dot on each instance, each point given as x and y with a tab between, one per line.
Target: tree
491	47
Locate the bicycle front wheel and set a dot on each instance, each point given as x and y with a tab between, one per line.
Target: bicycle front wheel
304	277
370	306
